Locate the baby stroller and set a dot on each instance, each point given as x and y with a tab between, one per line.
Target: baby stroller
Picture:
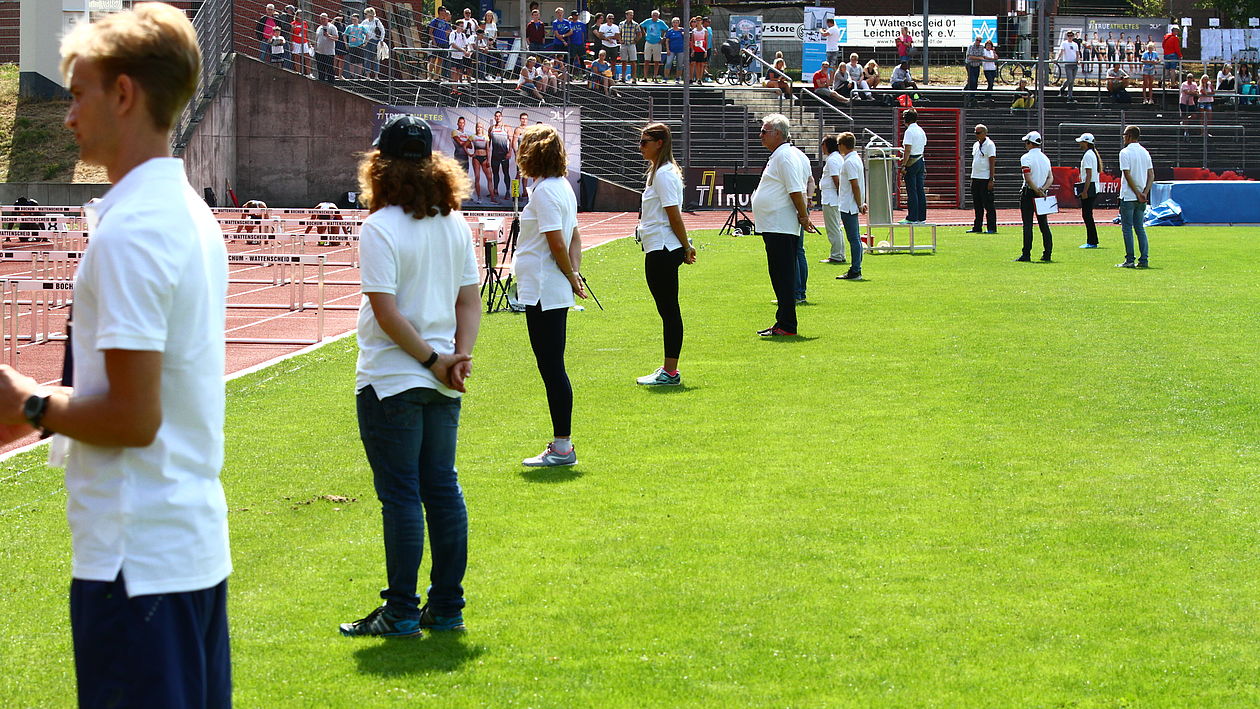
737	62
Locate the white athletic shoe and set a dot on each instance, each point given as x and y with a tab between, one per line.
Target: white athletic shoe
551	458
660	378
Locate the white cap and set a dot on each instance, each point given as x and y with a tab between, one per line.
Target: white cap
1033	137
1086	138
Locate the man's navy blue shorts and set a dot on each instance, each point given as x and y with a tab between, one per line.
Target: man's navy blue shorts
166	650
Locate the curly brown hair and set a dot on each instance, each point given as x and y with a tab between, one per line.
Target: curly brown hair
424	188
541	153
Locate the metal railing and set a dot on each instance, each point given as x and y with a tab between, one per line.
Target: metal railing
213	23
1165	141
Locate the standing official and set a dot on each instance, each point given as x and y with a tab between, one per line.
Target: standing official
913	143
1137	174
983	168
146	510
1037	179
830	186
780	213
1091	185
852	201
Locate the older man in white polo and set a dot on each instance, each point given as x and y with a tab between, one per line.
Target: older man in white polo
780	212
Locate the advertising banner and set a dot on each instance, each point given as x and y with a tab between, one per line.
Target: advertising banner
705	188
484	141
814	47
748	30
883	30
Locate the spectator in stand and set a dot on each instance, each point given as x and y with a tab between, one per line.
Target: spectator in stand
822	85
700	53
610	40
631	33
1118	83
286	22
975	59
842	87
983	172
676	41
440	39
1037	179
536	32
901	78
653	35
870	74
340	59
1069	55
1172	53
528	82
463	44
1150	66
1091	186
592	30
278	44
577	41
777	78
1024	97
905	43
1189	98
1246	82
356	39
263	29
989	65
708	42
831	36
857	78
1207	97
602	73
302	48
325	48
914	170
479	66
468	23
553	76
852	193
1225	80
561	30
375	34
829	185
781	213
492	62
1137	174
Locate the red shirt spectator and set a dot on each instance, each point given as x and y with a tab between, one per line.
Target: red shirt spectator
1172	44
822	78
536	32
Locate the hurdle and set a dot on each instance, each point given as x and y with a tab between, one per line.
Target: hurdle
10	312
299	260
891	246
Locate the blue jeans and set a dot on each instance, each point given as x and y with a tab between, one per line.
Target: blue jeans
916	191
1132	213
371	64
802	268
410	439
264	51
852	232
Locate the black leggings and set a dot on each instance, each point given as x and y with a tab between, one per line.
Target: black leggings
546	337
1087	213
661	269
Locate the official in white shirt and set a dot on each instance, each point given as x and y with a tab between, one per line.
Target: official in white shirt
780	213
418	322
1091	186
147	514
1137	174
1035	167
983	170
665	244
1069	54
548	255
914	171
852	201
830	187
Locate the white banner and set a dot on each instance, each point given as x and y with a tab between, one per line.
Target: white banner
783	30
883	30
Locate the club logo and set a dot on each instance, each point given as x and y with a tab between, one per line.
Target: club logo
842	24
985	30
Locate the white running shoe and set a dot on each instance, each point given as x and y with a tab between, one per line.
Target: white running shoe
551	458
660	378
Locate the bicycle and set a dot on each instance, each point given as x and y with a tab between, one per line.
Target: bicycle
1011	71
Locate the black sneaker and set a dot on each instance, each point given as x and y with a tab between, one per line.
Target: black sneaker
382	624
991	231
850	276
1024	259
1045	259
1126	264
1142	264
973	231
428	621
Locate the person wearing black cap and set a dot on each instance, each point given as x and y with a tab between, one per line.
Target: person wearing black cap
417	326
1037	178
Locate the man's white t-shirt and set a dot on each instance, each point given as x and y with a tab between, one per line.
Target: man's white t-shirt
423	263
1036	165
831	168
852	170
785	173
1089	161
153	279
552	206
915	138
832	35
666	190
610	35
1137	161
980	154
1068	51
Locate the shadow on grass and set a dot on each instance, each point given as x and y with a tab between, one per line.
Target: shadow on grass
789	340
669	389
551	475
436	652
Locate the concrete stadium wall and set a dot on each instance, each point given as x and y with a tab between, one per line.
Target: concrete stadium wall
210	156
61	194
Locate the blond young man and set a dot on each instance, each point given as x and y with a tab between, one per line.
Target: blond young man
144	419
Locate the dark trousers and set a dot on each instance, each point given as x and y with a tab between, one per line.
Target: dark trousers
1087	213
915	176
982	201
324	67
499	163
409	439
661	269
1028	210
547	333
163	650
781	260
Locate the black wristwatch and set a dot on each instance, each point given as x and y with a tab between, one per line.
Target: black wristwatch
432	360
33	409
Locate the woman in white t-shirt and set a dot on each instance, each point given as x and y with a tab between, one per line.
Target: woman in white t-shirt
665	244
417	325
1091	185
548	254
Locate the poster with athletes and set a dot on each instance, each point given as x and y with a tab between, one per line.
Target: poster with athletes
747	29
484	140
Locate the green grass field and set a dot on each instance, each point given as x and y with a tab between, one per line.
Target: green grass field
969	483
